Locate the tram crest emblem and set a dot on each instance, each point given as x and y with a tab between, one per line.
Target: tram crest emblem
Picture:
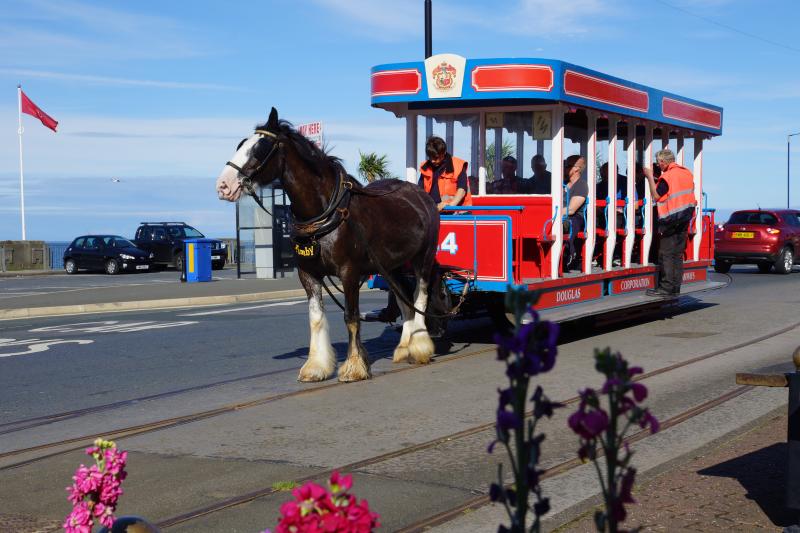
444	76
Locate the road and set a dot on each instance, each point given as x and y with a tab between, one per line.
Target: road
135	368
15	287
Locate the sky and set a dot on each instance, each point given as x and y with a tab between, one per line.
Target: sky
152	97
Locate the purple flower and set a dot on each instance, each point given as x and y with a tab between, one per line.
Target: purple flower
610	384
588	424
632	371
649	420
639	392
627	486
508	420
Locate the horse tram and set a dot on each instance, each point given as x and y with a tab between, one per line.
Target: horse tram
498	113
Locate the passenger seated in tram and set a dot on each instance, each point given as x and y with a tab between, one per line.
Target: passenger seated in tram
602	194
509	183
539	183
447	172
575	192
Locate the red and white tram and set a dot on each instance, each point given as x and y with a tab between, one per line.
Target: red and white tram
487	109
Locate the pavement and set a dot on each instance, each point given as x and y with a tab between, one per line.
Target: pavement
714	472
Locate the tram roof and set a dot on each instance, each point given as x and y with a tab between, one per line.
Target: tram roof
439	83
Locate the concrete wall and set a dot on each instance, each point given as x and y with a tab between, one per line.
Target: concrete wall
23	255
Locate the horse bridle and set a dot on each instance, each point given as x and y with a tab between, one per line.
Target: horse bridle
246	182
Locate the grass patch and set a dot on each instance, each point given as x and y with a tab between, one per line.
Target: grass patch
285	486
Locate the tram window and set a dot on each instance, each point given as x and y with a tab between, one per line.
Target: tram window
510	152
461	133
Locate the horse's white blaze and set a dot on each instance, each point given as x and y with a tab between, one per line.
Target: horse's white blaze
321	357
228	186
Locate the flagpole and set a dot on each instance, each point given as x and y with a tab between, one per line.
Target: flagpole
21	174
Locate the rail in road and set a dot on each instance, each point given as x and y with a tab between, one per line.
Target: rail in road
64	446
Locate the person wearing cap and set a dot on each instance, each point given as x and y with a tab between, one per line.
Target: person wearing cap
675	202
509	183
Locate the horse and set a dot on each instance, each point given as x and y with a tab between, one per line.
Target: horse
343	229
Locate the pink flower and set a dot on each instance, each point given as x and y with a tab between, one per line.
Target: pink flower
341	483
79	520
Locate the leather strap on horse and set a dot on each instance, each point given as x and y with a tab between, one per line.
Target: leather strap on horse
396	289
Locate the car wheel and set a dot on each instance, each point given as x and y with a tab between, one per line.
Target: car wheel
179	263
785	260
723	267
112	267
70	267
764	268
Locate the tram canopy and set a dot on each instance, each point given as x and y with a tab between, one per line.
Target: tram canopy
449	81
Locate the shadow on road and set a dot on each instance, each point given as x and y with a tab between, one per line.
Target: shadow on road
762	474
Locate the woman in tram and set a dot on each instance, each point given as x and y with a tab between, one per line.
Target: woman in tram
576	189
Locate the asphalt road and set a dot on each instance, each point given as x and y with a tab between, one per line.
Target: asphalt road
20	286
196	359
117	357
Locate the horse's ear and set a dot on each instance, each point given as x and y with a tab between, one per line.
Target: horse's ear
272	123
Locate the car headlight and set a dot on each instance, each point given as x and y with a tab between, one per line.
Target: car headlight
126	256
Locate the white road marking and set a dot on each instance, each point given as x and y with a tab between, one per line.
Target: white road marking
110	326
36	345
276	304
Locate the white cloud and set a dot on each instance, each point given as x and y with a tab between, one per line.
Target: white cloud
85	79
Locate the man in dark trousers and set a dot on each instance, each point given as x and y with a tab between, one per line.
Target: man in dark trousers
673	194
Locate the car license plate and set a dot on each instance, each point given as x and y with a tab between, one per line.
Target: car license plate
142	267
743	235
215	257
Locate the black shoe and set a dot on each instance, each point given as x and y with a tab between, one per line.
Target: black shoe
382	315
658	293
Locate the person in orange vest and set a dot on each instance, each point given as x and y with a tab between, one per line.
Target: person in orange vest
444	176
673	194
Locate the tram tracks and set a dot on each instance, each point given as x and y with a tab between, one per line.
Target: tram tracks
478	501
167	423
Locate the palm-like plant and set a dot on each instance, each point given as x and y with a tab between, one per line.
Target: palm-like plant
373	167
505	150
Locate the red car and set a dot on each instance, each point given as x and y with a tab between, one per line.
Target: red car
765	238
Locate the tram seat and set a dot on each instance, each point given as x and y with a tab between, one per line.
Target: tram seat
603	232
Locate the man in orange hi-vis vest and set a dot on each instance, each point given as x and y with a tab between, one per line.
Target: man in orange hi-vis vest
673	194
444	176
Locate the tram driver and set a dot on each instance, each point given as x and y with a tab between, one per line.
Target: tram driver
448	172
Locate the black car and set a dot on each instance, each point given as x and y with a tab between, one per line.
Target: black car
165	241
110	253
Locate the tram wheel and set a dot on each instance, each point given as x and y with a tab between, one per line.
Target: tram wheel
723	267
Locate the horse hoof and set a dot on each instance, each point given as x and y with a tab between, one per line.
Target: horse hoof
357	371
311	372
400	354
421	347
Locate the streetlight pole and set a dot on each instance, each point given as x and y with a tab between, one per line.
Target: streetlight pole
788	167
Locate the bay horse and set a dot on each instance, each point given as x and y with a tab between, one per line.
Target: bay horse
343	229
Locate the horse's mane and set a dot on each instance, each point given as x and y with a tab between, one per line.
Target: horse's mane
316	158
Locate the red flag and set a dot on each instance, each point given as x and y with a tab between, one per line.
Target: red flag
32	109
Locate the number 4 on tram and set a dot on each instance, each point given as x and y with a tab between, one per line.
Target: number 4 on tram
541	111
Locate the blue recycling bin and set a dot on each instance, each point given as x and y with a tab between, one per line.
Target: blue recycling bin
198	260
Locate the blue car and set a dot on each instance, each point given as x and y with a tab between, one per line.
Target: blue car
110	253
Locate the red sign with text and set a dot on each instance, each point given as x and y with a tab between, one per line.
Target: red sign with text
691	276
638	283
570	295
457	247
